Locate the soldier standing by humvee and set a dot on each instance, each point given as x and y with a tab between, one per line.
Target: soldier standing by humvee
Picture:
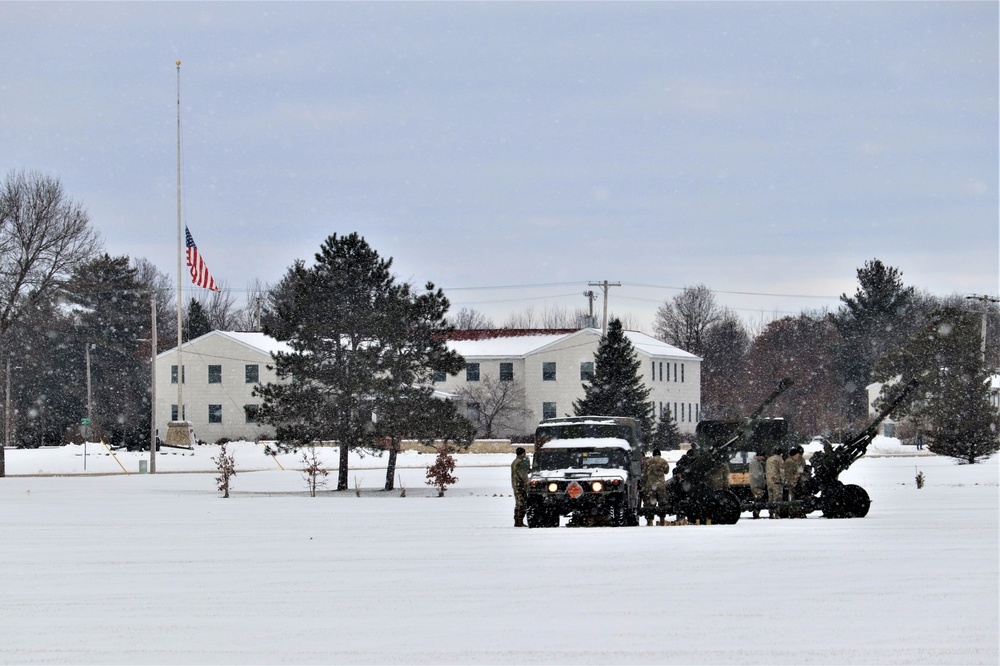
519	470
773	473
654	487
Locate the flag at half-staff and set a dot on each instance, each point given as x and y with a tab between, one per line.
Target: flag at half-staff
199	271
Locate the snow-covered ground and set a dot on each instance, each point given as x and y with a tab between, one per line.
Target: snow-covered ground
104	567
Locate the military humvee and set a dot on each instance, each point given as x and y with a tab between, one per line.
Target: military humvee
588	468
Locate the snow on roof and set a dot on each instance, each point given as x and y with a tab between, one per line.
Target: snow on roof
264	343
258	341
504	343
654	347
504	347
587	443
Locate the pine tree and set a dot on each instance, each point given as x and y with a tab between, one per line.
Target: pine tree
112	317
359	340
197	321
667	436
616	389
873	323
952	403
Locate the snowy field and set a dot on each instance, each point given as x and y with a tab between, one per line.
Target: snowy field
104	567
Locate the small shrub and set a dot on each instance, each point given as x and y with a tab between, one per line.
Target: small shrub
920	479
313	470
439	474
226	464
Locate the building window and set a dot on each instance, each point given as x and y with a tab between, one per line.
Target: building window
472	372
652	367
252	373
549	371
675	372
472	411
173	374
439	376
586	371
548	410
661	371
173	412
252	413
682	372
215	413
506	372
215	374
675	411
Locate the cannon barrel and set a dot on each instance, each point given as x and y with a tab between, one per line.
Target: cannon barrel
698	492
707	457
829	464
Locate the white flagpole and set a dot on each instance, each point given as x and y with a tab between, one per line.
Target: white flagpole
180	304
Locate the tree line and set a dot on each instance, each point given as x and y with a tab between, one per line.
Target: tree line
885	332
361	338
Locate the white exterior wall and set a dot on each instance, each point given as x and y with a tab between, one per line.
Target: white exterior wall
682	394
215	348
675	384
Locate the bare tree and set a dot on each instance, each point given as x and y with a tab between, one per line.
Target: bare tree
497	407
248	318
154	281
629	321
220	306
44	236
468	319
550	317
684	321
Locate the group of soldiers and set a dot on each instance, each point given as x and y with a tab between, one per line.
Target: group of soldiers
777	477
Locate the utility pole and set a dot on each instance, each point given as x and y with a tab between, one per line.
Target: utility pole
604	285
89	405
984	299
152	390
591	296
6	423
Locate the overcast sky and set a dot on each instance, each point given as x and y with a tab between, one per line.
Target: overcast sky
766	150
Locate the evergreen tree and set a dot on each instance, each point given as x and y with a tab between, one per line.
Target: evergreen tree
667	436
616	389
359	340
197	321
113	318
873	322
952	404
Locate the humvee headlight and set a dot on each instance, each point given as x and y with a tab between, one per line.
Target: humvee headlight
553	487
597	486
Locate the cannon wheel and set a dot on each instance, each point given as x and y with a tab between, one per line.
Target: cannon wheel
856	501
726	509
848	501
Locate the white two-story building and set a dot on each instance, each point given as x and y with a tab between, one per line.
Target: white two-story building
550	366
221	369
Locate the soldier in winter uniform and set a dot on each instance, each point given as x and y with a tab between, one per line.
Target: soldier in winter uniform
758	481
773	473
794	467
519	470
654	487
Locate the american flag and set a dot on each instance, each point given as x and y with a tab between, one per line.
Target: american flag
199	271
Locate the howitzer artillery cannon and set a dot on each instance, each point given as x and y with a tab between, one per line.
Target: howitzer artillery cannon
824	490
697	491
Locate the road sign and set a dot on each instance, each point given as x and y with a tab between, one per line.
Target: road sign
85	421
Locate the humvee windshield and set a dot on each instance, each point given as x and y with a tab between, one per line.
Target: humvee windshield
586	430
582	458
